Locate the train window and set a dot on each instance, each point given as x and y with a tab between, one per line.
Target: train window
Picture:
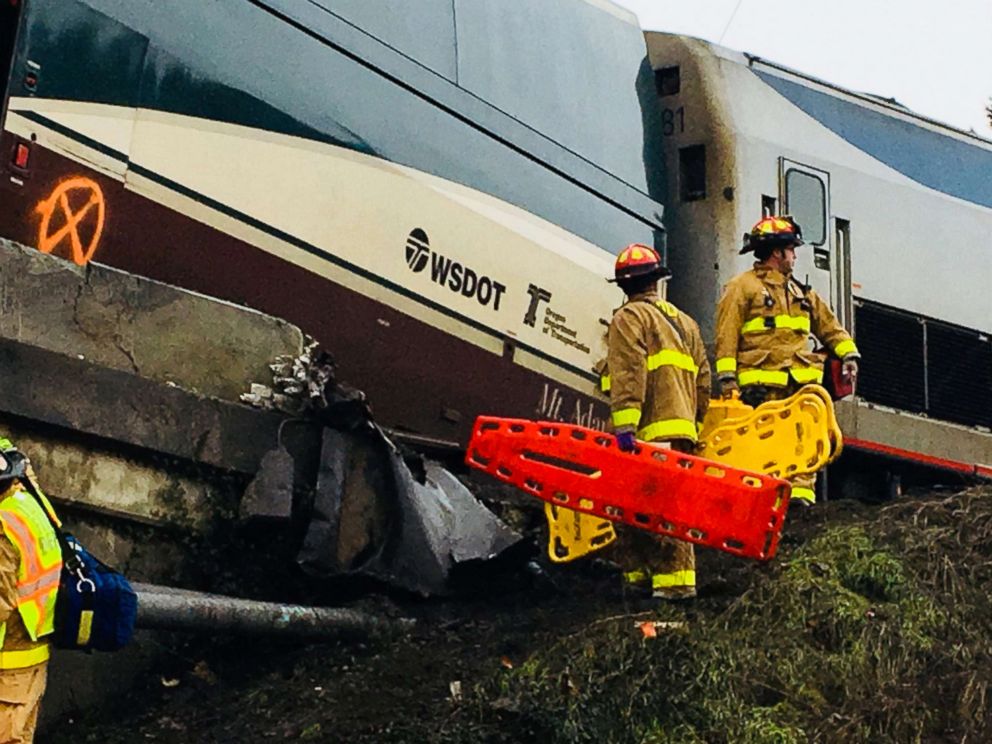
806	200
668	81
692	172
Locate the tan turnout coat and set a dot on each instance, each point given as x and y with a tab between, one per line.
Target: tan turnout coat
657	376
763	324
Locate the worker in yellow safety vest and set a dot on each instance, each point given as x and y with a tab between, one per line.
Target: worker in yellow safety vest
658	379
30	566
764	321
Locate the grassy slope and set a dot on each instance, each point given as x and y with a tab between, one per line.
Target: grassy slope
872	624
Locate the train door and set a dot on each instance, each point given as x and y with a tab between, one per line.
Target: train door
804	193
10	14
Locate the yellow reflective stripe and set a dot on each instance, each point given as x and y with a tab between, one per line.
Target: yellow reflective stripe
845	347
672	358
754	325
792	322
85	627
627	417
804	494
726	364
803	375
27	657
763	377
670	428
635	577
667	308
604	383
676	578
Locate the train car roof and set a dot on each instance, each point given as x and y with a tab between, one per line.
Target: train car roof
574	71
890	105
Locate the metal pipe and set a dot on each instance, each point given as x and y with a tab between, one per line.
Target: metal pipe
167	608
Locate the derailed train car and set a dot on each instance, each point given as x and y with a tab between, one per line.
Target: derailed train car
437	196
897	212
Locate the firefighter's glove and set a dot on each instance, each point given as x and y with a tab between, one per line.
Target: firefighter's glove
849	367
728	385
626	441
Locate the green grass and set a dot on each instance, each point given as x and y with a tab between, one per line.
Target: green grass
878	630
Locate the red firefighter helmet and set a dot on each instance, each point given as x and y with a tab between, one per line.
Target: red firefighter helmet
638	261
773	232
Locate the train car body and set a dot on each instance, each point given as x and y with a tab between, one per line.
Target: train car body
435	196
896	210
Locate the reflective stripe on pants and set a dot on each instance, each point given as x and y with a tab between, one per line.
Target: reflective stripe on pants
669	429
685	578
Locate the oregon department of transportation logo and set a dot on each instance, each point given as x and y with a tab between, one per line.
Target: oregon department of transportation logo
418	250
453	275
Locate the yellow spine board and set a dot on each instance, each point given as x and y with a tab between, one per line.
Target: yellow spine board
572	534
782	438
722	409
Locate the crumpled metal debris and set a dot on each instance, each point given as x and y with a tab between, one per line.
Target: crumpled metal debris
425	529
299	383
370	514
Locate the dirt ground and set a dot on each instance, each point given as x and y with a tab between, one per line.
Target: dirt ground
503	661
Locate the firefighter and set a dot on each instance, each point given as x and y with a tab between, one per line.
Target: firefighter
658	380
30	567
763	323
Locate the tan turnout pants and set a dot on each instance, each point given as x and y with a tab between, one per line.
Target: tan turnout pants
666	565
803	486
21	691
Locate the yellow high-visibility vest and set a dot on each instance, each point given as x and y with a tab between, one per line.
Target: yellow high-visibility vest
26	525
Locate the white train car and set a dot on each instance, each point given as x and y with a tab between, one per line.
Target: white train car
897	211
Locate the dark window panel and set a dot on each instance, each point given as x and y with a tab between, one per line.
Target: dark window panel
692	173
668	81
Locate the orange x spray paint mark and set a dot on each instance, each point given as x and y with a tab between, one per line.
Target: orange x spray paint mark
74	213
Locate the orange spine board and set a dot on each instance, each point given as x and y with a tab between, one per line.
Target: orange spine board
653	488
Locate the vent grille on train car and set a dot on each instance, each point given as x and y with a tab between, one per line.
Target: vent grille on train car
891	346
959	366
923	365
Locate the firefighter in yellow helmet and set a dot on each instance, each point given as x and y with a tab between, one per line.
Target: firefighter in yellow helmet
763	323
30	566
658	379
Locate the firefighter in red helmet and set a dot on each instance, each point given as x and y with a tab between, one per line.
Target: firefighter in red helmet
764	320
658	380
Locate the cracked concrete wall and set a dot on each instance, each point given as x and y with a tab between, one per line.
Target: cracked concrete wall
150	514
137	325
145	492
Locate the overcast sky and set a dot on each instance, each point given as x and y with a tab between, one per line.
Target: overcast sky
934	56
